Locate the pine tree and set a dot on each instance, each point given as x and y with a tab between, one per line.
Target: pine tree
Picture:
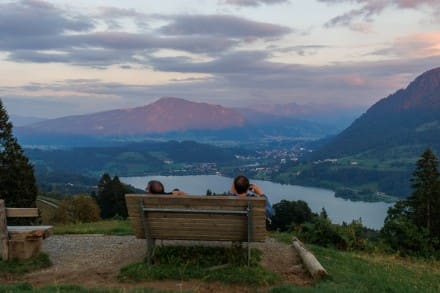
17	180
111	197
424	202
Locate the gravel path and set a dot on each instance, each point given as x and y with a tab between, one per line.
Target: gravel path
94	261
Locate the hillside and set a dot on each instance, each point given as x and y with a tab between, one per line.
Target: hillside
404	124
376	154
131	160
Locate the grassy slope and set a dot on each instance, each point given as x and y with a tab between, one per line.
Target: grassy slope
361	272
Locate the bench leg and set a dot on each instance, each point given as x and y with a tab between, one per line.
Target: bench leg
249	231
150	241
4	237
150	249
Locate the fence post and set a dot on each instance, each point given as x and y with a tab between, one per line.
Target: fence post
3	231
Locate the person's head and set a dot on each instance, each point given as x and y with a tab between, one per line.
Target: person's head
155	187
241	184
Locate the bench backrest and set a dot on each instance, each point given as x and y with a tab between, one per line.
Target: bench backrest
177	217
21	212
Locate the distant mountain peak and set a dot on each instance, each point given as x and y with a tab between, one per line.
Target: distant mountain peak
428	81
164	115
424	90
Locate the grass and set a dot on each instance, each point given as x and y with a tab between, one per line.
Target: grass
362	272
25	287
21	267
222	264
107	227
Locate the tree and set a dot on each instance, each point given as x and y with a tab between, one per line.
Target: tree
289	213
17	180
111	197
412	226
79	208
424	200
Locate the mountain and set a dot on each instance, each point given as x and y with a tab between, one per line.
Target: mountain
169	118
18	120
164	115
404	123
337	116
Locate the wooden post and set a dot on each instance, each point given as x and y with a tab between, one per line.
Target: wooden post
3	231
315	269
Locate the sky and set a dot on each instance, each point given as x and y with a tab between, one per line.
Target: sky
60	58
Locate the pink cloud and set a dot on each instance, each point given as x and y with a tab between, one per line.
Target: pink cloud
418	45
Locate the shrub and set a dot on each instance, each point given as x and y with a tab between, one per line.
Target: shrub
290	213
404	236
78	209
322	232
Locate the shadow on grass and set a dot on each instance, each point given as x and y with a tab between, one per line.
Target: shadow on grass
226	265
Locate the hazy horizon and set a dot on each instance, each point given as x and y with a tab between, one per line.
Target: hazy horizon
61	58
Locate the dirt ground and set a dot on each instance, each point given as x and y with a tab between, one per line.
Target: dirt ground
94	261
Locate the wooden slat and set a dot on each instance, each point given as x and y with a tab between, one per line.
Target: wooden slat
21	212
192	201
188	226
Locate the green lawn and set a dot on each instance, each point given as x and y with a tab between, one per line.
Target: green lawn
107	227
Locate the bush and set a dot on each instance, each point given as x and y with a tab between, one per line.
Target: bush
290	213
404	236
322	232
78	209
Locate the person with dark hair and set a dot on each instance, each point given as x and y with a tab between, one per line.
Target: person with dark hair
156	187
241	187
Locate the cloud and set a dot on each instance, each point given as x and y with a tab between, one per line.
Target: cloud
38	31
113	15
107	48
223	26
32	18
242	62
418	45
252	2
371	8
252	79
302	50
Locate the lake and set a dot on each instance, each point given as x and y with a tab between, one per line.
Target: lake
339	210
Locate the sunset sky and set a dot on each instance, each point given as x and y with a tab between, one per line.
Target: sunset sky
61	58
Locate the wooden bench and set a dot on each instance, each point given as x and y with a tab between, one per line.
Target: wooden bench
20	242
200	218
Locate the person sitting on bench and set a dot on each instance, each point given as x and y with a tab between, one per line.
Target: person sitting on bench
156	187
242	188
